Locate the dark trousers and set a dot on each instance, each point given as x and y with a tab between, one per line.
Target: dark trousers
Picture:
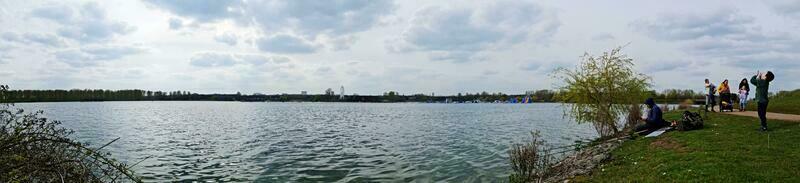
648	127
762	113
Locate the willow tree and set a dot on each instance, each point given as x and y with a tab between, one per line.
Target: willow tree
601	89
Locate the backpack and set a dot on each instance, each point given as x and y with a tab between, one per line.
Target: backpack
690	121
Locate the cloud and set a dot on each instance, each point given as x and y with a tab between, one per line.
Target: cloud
175	23
490	72
199	10
327	23
220	59
228	38
323	70
788	8
459	34
48	40
668	65
94	55
532	66
724	22
87	24
724	35
603	37
285	44
213	60
311	18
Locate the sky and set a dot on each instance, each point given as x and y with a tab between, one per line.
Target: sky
374	46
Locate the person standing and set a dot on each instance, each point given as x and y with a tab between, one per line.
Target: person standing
744	90
724	91
761	81
710	101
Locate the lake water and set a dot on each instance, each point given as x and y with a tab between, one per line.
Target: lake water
318	142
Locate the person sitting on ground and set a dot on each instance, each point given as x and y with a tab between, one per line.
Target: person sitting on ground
654	120
710	99
761	81
744	90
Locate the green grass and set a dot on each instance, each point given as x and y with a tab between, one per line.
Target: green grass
787	102
728	149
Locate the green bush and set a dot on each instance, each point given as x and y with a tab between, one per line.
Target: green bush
35	149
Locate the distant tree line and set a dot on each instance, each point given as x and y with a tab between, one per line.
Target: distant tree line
668	96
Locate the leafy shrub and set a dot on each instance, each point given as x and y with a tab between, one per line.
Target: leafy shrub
35	149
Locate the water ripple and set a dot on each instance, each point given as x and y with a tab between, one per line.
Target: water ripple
315	142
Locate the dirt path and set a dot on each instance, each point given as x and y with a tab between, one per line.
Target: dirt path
770	115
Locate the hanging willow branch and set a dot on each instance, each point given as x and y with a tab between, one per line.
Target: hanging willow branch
601	88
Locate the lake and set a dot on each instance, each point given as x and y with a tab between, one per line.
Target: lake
325	142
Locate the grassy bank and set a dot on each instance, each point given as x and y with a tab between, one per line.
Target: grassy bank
729	149
787	102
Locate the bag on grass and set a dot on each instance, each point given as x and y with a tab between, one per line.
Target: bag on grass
690	121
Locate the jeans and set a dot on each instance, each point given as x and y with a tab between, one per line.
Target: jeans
762	113
742	101
710	102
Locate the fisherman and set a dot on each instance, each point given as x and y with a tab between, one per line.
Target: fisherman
655	119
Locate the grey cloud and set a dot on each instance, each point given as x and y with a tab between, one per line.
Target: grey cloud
326	22
58	13
212	60
490	72
788	8
603	37
458	34
311	18
219	59
285	44
86	24
94	55
725	35
531	66
721	23
175	23
668	65
227	38
323	70
36	38
200	10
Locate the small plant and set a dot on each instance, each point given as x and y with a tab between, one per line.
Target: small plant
35	149
532	161
634	118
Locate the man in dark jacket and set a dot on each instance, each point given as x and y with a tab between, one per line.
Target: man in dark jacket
761	81
654	120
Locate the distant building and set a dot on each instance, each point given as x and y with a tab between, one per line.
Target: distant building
303	92
341	94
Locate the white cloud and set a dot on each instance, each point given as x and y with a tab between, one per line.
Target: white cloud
228	38
286	44
94	55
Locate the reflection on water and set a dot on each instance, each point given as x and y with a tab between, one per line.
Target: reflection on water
328	142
